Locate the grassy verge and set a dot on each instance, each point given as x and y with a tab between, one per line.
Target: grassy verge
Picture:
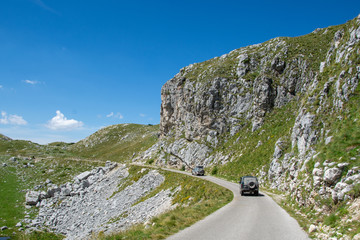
11	199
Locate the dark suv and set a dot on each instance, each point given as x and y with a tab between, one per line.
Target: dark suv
198	170
249	184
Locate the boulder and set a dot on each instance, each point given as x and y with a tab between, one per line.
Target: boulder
356	237
317	181
84	175
343	165
52	190
312	228
43	195
318	172
110	165
65	191
331	175
32	197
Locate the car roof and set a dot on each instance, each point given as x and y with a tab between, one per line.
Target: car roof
248	177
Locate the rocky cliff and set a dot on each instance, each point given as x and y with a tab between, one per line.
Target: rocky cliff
285	110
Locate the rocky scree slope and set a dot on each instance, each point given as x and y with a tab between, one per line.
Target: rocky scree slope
285	110
107	199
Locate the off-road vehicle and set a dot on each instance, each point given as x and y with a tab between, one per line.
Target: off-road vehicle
198	170
249	184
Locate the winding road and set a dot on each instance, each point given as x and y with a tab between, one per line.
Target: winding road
245	218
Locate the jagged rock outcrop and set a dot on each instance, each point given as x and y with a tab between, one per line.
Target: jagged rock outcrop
211	101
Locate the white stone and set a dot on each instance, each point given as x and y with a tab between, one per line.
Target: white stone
32	197
322	66
356	237
318	172
84	175
328	140
342	165
331	175
312	228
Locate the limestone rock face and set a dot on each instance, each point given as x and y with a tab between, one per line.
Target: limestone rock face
207	103
203	98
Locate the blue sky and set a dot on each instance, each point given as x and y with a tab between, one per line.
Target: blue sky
70	67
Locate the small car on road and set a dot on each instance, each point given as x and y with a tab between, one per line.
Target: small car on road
198	171
250	185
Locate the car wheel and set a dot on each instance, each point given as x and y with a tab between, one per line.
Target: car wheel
242	193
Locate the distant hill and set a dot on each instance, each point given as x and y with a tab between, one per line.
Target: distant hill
4	138
9	146
117	142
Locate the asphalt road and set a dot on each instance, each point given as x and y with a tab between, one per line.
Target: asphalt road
245	218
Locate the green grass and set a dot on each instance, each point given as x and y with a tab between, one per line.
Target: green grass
37	235
344	127
11	199
119	143
247	157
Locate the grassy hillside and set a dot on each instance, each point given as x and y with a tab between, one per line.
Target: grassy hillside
3	137
9	147
117	142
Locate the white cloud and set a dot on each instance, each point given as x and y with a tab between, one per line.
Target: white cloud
115	115
31	82
11	119
1	86
44	6
60	122
142	115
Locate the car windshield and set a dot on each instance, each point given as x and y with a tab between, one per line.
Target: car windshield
199	167
249	179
